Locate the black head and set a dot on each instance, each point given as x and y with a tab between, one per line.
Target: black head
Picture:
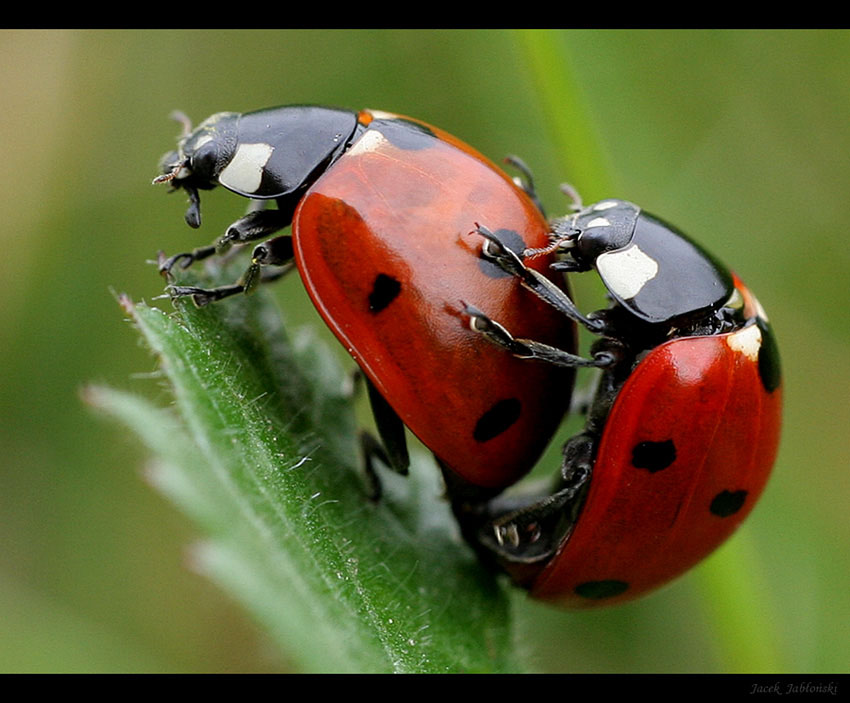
276	153
651	269
200	157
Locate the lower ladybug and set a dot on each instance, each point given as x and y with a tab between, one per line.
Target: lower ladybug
381	208
682	432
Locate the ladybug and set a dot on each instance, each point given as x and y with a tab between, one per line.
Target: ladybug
381	208
682	432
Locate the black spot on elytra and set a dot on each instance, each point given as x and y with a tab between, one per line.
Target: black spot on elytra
404	134
513	241
727	503
653	456
598	590
769	367
497	419
385	289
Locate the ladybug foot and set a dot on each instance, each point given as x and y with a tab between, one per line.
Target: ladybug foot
529	348
204	296
183	260
533	533
495	250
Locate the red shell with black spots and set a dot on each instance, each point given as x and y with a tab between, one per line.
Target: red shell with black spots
686	451
382	241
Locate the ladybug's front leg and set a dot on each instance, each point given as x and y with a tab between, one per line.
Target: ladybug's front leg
522	533
525	181
509	261
275	252
256	225
530	349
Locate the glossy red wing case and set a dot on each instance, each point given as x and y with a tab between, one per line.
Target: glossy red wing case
383	244
687	449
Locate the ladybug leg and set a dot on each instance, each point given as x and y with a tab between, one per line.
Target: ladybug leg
530	349
568	266
575	199
510	262
372	449
184	259
205	296
525	181
390	430
523	532
577	463
276	252
391	449
531	533
257	224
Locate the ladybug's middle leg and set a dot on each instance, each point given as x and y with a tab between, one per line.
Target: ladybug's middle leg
390	449
275	252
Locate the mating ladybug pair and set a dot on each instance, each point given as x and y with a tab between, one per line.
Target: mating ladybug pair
440	276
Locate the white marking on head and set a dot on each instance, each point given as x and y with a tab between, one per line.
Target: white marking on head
626	271
746	341
244	173
372	140
598	222
605	205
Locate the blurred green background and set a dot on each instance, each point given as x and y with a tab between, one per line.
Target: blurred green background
740	138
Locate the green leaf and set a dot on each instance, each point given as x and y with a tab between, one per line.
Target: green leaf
261	450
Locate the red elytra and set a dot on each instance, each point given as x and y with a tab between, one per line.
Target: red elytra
641	527
382	242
